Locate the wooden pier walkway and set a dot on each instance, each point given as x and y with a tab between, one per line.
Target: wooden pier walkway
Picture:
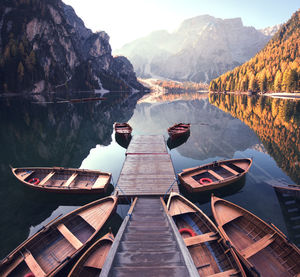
147	170
148	244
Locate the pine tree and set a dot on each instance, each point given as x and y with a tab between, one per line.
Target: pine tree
277	81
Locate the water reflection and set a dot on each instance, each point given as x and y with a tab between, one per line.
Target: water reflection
81	135
37	134
275	121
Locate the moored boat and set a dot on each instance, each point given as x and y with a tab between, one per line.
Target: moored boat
63	180
91	262
214	175
123	129
211	256
289	189
264	249
179	130
51	248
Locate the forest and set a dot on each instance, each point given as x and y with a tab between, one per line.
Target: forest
274	69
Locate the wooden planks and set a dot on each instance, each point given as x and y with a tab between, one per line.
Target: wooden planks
229	169
71	179
258	246
76	243
33	265
200	238
147	145
100	182
47	178
148	169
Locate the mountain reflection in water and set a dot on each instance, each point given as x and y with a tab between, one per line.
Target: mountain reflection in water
81	135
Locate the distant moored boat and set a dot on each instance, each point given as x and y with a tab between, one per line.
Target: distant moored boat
123	129
179	130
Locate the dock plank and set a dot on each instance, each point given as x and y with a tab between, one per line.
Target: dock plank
148	168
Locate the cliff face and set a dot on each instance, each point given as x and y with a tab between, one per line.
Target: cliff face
201	49
44	45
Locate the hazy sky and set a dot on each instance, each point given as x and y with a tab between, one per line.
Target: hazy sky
126	20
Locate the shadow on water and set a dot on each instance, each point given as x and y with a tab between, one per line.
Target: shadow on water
173	143
122	141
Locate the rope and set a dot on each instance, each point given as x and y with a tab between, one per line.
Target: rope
170	188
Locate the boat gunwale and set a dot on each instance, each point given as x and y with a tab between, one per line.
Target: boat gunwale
61	188
90	251
190	172
223	233
54	223
214	226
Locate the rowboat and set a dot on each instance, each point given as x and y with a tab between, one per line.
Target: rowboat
289	189
263	248
91	262
214	175
123	129
179	130
51	248
63	180
211	256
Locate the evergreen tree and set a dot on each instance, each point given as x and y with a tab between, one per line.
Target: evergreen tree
277	81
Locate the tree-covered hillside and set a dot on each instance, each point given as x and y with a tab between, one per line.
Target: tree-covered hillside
275	68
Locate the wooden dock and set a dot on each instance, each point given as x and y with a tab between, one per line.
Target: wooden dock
148	244
147	170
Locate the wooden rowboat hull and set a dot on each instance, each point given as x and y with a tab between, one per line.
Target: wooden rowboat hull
220	174
263	249
51	248
91	262
63	180
179	130
123	129
208	250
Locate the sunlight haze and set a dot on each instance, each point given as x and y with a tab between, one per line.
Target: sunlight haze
125	21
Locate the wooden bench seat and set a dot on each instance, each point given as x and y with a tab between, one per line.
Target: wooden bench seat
33	265
69	236
70	180
216	175
229	169
201	238
226	273
47	178
258	246
100	182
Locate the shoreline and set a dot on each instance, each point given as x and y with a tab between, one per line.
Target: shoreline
283	95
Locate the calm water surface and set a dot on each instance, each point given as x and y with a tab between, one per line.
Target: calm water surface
35	132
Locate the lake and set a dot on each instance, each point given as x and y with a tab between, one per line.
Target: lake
47	131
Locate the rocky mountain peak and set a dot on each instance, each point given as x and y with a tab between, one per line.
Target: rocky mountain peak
44	45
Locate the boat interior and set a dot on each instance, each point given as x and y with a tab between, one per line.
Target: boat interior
65	179
220	171
267	251
93	263
208	253
47	251
57	242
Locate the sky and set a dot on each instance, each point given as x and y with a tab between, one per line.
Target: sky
127	20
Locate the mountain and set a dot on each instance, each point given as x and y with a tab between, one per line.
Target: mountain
45	46
201	49
274	68
271	31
